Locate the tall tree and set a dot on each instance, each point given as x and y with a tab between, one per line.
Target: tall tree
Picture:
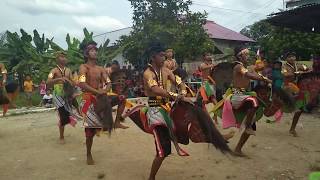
22	57
276	41
169	22
26	54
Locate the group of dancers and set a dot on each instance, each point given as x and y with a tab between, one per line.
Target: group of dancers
162	116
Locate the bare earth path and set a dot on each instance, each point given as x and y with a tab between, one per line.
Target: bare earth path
29	150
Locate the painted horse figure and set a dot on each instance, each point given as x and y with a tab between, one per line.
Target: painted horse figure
189	122
306	98
120	82
102	105
266	101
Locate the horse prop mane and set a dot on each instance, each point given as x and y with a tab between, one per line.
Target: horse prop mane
118	80
103	110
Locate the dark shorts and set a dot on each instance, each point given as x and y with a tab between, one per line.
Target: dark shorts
64	116
91	132
163	145
47	101
12	87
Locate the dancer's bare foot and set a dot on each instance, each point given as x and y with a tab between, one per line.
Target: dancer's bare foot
90	160
182	152
216	121
250	131
62	141
228	136
293	133
239	153
121	126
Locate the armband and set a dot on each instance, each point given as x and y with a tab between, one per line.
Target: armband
82	79
152	82
244	70
108	80
178	80
184	92
175	95
50	75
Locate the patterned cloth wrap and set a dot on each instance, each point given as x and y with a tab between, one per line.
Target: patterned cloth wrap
152	116
156	116
87	102
64	110
306	93
302	97
230	107
3	93
207	90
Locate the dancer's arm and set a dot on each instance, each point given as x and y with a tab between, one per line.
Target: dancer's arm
178	82
204	66
4	73
253	76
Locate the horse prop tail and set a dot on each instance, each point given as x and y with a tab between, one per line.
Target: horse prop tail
103	110
208	128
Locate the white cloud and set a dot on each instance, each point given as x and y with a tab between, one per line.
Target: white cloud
53	6
218	3
99	23
215	3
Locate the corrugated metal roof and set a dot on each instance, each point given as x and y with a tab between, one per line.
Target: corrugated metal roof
217	31
303	18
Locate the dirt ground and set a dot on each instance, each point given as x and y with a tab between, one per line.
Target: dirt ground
29	150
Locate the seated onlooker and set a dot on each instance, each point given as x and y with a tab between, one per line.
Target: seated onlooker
47	99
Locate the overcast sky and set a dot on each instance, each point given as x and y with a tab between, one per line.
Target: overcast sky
56	18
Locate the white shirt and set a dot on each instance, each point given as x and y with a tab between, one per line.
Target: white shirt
47	96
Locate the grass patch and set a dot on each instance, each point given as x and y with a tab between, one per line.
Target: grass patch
21	100
314	167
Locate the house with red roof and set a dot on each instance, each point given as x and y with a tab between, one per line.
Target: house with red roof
225	38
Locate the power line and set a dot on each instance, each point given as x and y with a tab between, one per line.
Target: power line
265	5
111	31
226	9
254	16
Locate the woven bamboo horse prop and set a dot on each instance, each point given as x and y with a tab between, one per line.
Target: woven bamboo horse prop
309	87
190	122
103	107
272	101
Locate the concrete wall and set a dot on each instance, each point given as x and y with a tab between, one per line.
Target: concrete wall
224	45
122	61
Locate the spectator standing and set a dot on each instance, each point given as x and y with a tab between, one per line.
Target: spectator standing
42	88
28	90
